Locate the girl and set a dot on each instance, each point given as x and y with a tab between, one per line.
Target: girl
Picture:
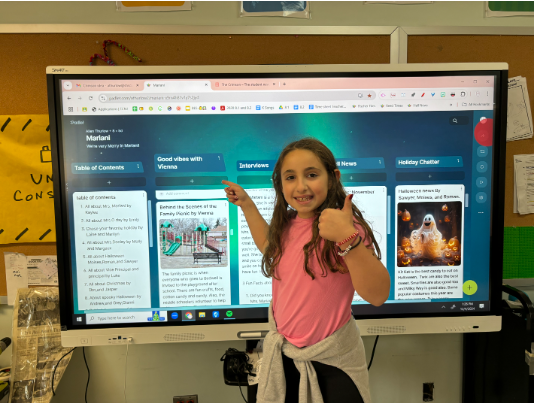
319	250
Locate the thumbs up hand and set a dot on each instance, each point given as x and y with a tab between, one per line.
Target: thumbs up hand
336	225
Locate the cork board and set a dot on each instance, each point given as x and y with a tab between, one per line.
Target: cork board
517	51
22	71
23	80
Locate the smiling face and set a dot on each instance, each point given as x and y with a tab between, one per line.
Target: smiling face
429	223
305	182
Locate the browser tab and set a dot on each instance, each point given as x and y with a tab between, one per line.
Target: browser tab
177	85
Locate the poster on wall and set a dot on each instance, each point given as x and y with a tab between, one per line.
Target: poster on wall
27	197
402	3
508	8
293	9
136	6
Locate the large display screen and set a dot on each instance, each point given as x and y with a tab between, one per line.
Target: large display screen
149	236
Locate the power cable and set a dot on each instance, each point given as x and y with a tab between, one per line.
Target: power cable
54	373
373	352
126	366
88	375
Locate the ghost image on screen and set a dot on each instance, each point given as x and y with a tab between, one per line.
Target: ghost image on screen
427	239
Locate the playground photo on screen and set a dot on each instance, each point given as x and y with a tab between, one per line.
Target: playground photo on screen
187	243
429	234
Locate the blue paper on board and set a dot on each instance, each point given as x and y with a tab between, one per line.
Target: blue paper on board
273	6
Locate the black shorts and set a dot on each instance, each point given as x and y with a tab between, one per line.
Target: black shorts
335	385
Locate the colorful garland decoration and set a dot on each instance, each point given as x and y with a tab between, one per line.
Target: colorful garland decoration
106	57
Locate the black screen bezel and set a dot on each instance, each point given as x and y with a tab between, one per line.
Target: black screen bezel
60	204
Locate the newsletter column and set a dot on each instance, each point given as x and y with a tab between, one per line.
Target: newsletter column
112	250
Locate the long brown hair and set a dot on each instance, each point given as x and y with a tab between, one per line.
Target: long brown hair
282	215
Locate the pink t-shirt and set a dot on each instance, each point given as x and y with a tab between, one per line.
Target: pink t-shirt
307	311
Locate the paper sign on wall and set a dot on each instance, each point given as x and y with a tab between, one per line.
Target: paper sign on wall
23	271
42	270
16	274
133	6
27	196
294	9
508	8
401	3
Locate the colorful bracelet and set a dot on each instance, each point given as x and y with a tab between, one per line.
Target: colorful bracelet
345	252
347	239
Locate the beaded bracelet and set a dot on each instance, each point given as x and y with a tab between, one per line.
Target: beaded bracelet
347	239
345	252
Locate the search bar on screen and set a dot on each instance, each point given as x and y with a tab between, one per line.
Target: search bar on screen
125	317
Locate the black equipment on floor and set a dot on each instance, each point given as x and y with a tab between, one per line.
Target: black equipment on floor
498	366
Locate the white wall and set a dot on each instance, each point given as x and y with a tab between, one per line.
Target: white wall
157	372
324	13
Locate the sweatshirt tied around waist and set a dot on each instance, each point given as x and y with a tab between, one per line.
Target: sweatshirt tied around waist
343	349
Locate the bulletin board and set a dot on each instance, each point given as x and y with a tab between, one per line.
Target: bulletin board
26	56
517	51
22	74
